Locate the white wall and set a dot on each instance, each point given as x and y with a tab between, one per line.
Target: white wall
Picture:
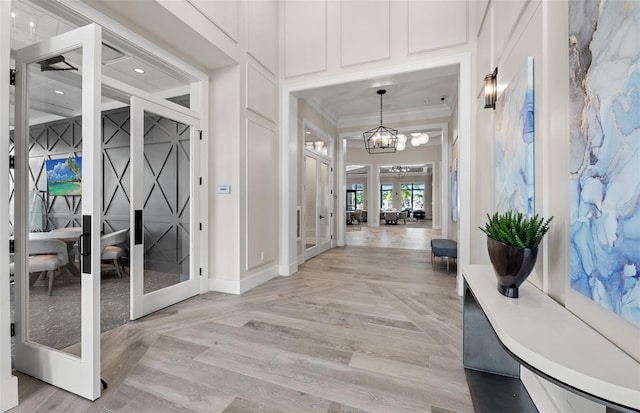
324	36
243	225
508	32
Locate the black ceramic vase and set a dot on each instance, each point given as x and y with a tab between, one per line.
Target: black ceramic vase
512	265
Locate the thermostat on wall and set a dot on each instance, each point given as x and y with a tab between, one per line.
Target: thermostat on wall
224	189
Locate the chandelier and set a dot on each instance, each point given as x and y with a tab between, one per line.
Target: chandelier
381	139
399	171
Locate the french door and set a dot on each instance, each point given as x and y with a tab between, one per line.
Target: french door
164	200
318	206
69	360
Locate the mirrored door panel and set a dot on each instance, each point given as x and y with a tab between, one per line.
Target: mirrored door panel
166	208
311	207
163	203
54	289
324	193
57	145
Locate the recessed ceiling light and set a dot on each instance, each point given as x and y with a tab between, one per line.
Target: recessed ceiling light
137	70
308	133
58	92
13	15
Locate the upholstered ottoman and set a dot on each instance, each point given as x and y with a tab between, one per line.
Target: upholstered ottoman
444	248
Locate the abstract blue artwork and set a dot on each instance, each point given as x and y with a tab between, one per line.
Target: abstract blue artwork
604	58
514	144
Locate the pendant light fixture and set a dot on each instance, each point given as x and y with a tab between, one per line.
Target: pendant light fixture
381	139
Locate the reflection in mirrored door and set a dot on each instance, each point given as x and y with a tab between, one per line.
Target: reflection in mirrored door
166	212
57	140
324	192
163	214
311	208
52	292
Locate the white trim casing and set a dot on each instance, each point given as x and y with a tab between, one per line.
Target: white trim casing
289	143
239	287
142	303
79	375
8	382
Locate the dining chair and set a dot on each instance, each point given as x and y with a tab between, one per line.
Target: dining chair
45	257
111	251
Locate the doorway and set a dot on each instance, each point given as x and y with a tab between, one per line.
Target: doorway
72	187
318	192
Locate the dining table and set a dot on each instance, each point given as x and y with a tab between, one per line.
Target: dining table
68	235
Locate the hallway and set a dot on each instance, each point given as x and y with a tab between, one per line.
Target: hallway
355	330
414	235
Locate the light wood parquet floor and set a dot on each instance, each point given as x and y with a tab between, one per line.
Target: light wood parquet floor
357	329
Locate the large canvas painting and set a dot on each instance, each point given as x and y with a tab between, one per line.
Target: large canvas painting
604	56
64	176
514	143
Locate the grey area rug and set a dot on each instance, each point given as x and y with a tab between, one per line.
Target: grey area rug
55	320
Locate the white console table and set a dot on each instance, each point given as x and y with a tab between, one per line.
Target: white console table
534	331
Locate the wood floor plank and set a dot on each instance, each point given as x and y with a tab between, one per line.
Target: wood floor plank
131	400
435	378
233	383
382	343
240	405
357	329
211	332
178	390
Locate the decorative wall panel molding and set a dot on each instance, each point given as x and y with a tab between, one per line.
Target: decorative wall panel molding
262	33
364	31
435	25
262	190
261	94
305	37
222	13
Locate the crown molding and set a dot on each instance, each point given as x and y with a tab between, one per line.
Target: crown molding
315	104
389	117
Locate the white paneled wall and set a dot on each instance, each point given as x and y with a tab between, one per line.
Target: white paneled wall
365	31
262	33
261	179
244	112
261	93
222	13
305	42
436	24
508	32
331	36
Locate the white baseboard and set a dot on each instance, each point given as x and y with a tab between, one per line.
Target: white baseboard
8	393
240	286
288	269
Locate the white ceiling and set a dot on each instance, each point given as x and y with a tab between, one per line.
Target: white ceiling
422	90
32	24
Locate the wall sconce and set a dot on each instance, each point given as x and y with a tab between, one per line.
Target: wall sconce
491	90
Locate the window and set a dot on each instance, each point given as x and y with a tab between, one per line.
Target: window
359	191
386	196
412	196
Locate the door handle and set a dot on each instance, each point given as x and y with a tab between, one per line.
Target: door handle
321	217
84	245
138	227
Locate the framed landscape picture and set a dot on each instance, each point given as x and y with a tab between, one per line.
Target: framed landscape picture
64	176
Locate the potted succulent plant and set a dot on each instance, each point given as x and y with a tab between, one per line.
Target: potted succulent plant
512	241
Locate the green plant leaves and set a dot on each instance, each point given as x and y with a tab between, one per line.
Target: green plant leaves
516	229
